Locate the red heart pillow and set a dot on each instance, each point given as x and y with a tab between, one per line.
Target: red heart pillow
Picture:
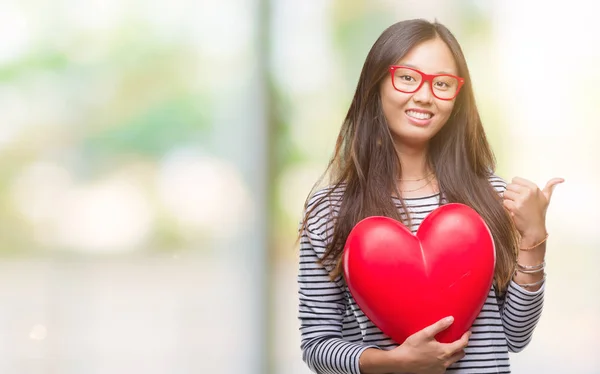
405	282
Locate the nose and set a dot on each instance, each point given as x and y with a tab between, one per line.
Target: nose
424	94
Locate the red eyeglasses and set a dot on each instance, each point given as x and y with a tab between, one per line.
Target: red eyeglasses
409	80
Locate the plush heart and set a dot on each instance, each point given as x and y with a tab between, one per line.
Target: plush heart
405	282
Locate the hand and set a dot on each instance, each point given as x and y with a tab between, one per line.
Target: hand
528	205
422	354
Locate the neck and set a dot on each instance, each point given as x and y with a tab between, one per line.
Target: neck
413	162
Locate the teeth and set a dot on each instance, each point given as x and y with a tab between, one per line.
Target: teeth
418	115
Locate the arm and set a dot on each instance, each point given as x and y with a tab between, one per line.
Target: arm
322	305
525	294
523	305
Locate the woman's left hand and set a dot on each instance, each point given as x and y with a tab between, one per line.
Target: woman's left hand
528	204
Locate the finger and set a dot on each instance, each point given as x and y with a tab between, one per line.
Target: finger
455	357
524	182
510	205
549	188
511	195
460	344
515	187
432	330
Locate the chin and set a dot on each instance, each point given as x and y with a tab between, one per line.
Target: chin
414	136
412	141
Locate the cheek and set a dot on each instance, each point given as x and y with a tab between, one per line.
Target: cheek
445	109
392	105
395	102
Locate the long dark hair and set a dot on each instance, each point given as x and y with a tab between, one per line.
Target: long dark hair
366	164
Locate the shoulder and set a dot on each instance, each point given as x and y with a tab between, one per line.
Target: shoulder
322	208
317	224
498	183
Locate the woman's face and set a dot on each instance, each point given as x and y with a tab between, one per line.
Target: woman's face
414	118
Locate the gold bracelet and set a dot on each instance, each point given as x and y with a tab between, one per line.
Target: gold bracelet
534	246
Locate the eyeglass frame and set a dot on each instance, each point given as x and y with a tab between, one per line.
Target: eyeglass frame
426	78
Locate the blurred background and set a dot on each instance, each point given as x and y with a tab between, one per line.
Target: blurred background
155	157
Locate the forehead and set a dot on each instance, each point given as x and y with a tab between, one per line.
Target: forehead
432	57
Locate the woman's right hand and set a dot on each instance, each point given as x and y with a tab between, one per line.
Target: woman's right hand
422	354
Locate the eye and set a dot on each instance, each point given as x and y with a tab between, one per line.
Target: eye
442	84
407	78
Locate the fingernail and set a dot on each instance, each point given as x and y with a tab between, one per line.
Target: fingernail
450	319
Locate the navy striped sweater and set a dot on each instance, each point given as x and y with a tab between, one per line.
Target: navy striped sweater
334	331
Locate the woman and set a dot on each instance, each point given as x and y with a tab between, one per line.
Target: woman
412	140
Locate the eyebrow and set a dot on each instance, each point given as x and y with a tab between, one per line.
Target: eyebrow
439	72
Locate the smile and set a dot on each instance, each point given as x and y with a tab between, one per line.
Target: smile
419	115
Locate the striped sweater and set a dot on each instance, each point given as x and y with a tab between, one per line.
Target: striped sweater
334	330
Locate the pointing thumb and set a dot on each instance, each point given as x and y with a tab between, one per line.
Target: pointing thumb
549	188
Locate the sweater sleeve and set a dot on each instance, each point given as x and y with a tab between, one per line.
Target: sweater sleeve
520	309
521	312
322	308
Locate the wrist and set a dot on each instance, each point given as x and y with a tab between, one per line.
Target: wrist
376	361
400	360
532	237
